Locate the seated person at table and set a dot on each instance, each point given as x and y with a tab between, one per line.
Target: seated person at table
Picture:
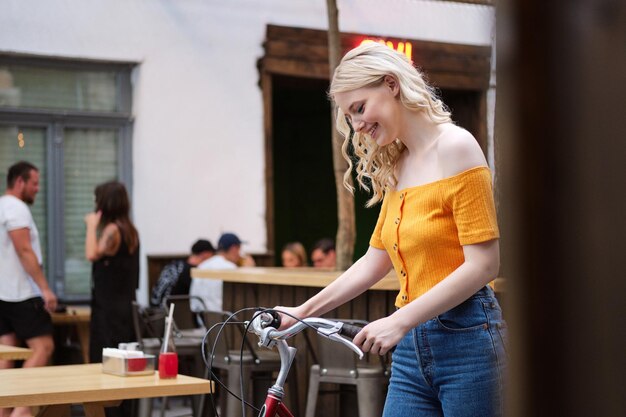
323	254
210	290
175	278
293	255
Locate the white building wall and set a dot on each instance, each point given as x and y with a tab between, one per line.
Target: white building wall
198	161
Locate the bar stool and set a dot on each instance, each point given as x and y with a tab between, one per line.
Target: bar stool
184	317
338	365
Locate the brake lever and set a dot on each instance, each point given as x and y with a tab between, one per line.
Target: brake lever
265	339
347	343
333	334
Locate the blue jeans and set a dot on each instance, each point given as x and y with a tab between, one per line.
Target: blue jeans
452	365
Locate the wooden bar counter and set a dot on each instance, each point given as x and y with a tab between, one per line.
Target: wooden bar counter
299	277
268	287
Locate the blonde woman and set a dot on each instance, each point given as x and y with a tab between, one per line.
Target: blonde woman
437	228
293	255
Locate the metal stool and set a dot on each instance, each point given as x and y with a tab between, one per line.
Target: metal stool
339	366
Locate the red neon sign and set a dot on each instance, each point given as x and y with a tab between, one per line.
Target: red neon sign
405	48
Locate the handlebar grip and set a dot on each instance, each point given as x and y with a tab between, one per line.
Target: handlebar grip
275	323
349	330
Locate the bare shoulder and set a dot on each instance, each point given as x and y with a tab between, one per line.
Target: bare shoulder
458	151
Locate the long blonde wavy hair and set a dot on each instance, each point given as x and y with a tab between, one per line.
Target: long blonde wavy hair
366	66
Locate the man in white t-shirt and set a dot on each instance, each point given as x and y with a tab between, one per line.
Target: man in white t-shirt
25	297
210	290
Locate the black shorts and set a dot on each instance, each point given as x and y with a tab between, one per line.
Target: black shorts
27	319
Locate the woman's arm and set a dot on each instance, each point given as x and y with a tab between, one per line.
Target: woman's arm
107	244
481	266
367	271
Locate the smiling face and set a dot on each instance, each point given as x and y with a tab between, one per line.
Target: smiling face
373	111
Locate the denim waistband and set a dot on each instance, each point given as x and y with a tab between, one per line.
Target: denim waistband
485	291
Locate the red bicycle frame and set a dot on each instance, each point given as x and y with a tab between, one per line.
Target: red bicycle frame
274	407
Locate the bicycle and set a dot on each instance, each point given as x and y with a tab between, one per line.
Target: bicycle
264	324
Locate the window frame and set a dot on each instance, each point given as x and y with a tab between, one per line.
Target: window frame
55	122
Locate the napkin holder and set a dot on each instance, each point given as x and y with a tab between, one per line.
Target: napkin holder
122	365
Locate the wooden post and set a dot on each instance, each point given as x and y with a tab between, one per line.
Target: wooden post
563	66
346	229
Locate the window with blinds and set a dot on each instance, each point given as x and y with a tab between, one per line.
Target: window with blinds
82	172
72	120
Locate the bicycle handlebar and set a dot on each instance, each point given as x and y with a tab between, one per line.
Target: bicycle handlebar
350	330
263	326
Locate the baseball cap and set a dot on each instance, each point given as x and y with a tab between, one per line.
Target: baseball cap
227	240
202	245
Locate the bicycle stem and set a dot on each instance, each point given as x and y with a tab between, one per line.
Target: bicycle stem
287	354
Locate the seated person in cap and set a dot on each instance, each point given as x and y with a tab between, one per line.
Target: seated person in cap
175	278
210	290
323	254
230	239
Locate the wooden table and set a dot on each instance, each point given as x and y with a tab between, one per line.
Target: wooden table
55	388
12	353
78	316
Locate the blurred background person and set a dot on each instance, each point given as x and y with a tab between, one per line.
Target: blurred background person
323	254
175	278
112	244
294	255
210	290
25	297
244	259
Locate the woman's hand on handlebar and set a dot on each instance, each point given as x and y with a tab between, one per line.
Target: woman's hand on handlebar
285	320
379	336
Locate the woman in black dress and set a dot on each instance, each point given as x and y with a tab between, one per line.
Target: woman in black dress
112	244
